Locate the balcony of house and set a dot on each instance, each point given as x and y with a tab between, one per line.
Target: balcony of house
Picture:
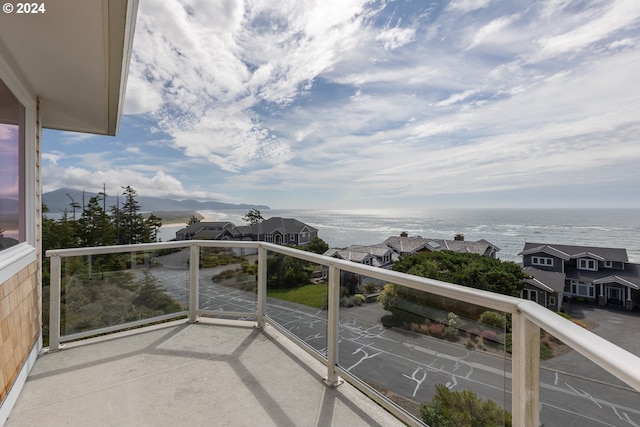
198	332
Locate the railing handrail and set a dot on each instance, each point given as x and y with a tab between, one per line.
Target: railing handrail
602	352
528	316
469	295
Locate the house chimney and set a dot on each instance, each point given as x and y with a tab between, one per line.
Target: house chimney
459	237
404	234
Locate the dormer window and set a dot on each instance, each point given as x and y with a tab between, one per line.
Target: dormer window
543	261
587	264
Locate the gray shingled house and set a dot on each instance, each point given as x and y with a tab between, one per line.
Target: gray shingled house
601	275
282	231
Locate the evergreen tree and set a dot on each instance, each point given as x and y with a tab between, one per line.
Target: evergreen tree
253	217
66	232
95	227
193	220
129	221
152	224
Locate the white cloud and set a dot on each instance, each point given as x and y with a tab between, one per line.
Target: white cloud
493	32
396	37
159	184
468	5
201	80
599	23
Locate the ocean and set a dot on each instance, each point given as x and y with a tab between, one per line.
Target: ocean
508	229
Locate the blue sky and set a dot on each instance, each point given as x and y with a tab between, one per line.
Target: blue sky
373	104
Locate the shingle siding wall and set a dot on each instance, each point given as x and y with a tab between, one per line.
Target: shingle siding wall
20	320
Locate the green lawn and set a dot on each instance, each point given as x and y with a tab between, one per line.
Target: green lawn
311	295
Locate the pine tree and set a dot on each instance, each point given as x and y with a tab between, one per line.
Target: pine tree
152	224
129	221
95	227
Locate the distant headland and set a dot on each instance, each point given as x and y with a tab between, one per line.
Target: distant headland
59	200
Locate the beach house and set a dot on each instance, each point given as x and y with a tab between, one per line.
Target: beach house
587	273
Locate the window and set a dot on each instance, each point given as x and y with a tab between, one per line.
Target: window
582	289
608	264
552	301
12	210
530	294
544	261
587	264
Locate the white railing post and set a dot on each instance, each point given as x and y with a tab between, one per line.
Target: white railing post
194	281
333	325
54	303
262	285
525	371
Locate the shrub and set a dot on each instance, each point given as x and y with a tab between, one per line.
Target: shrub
489	335
454	325
493	318
370	288
508	342
473	332
390	321
462	409
437	330
545	352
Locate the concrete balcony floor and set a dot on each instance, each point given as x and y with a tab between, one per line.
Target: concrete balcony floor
221	373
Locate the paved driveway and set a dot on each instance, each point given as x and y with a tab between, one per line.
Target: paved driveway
618	326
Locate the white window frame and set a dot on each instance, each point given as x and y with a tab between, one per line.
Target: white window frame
608	264
542	261
590	289
587	264
18	257
552	301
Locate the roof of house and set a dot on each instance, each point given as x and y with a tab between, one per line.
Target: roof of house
630	276
75	58
546	280
409	244
359	254
204	225
378	250
282	225
412	244
567	252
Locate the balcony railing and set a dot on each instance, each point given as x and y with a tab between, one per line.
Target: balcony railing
528	319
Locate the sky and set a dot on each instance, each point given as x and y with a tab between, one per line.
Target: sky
373	104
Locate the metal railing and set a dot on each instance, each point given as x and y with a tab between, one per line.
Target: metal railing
527	320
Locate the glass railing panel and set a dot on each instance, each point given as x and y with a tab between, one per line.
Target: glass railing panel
576	391
228	280
99	291
418	349
297	299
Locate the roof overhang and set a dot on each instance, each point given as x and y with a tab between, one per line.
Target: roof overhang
538	284
549	250
75	58
618	280
588	255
